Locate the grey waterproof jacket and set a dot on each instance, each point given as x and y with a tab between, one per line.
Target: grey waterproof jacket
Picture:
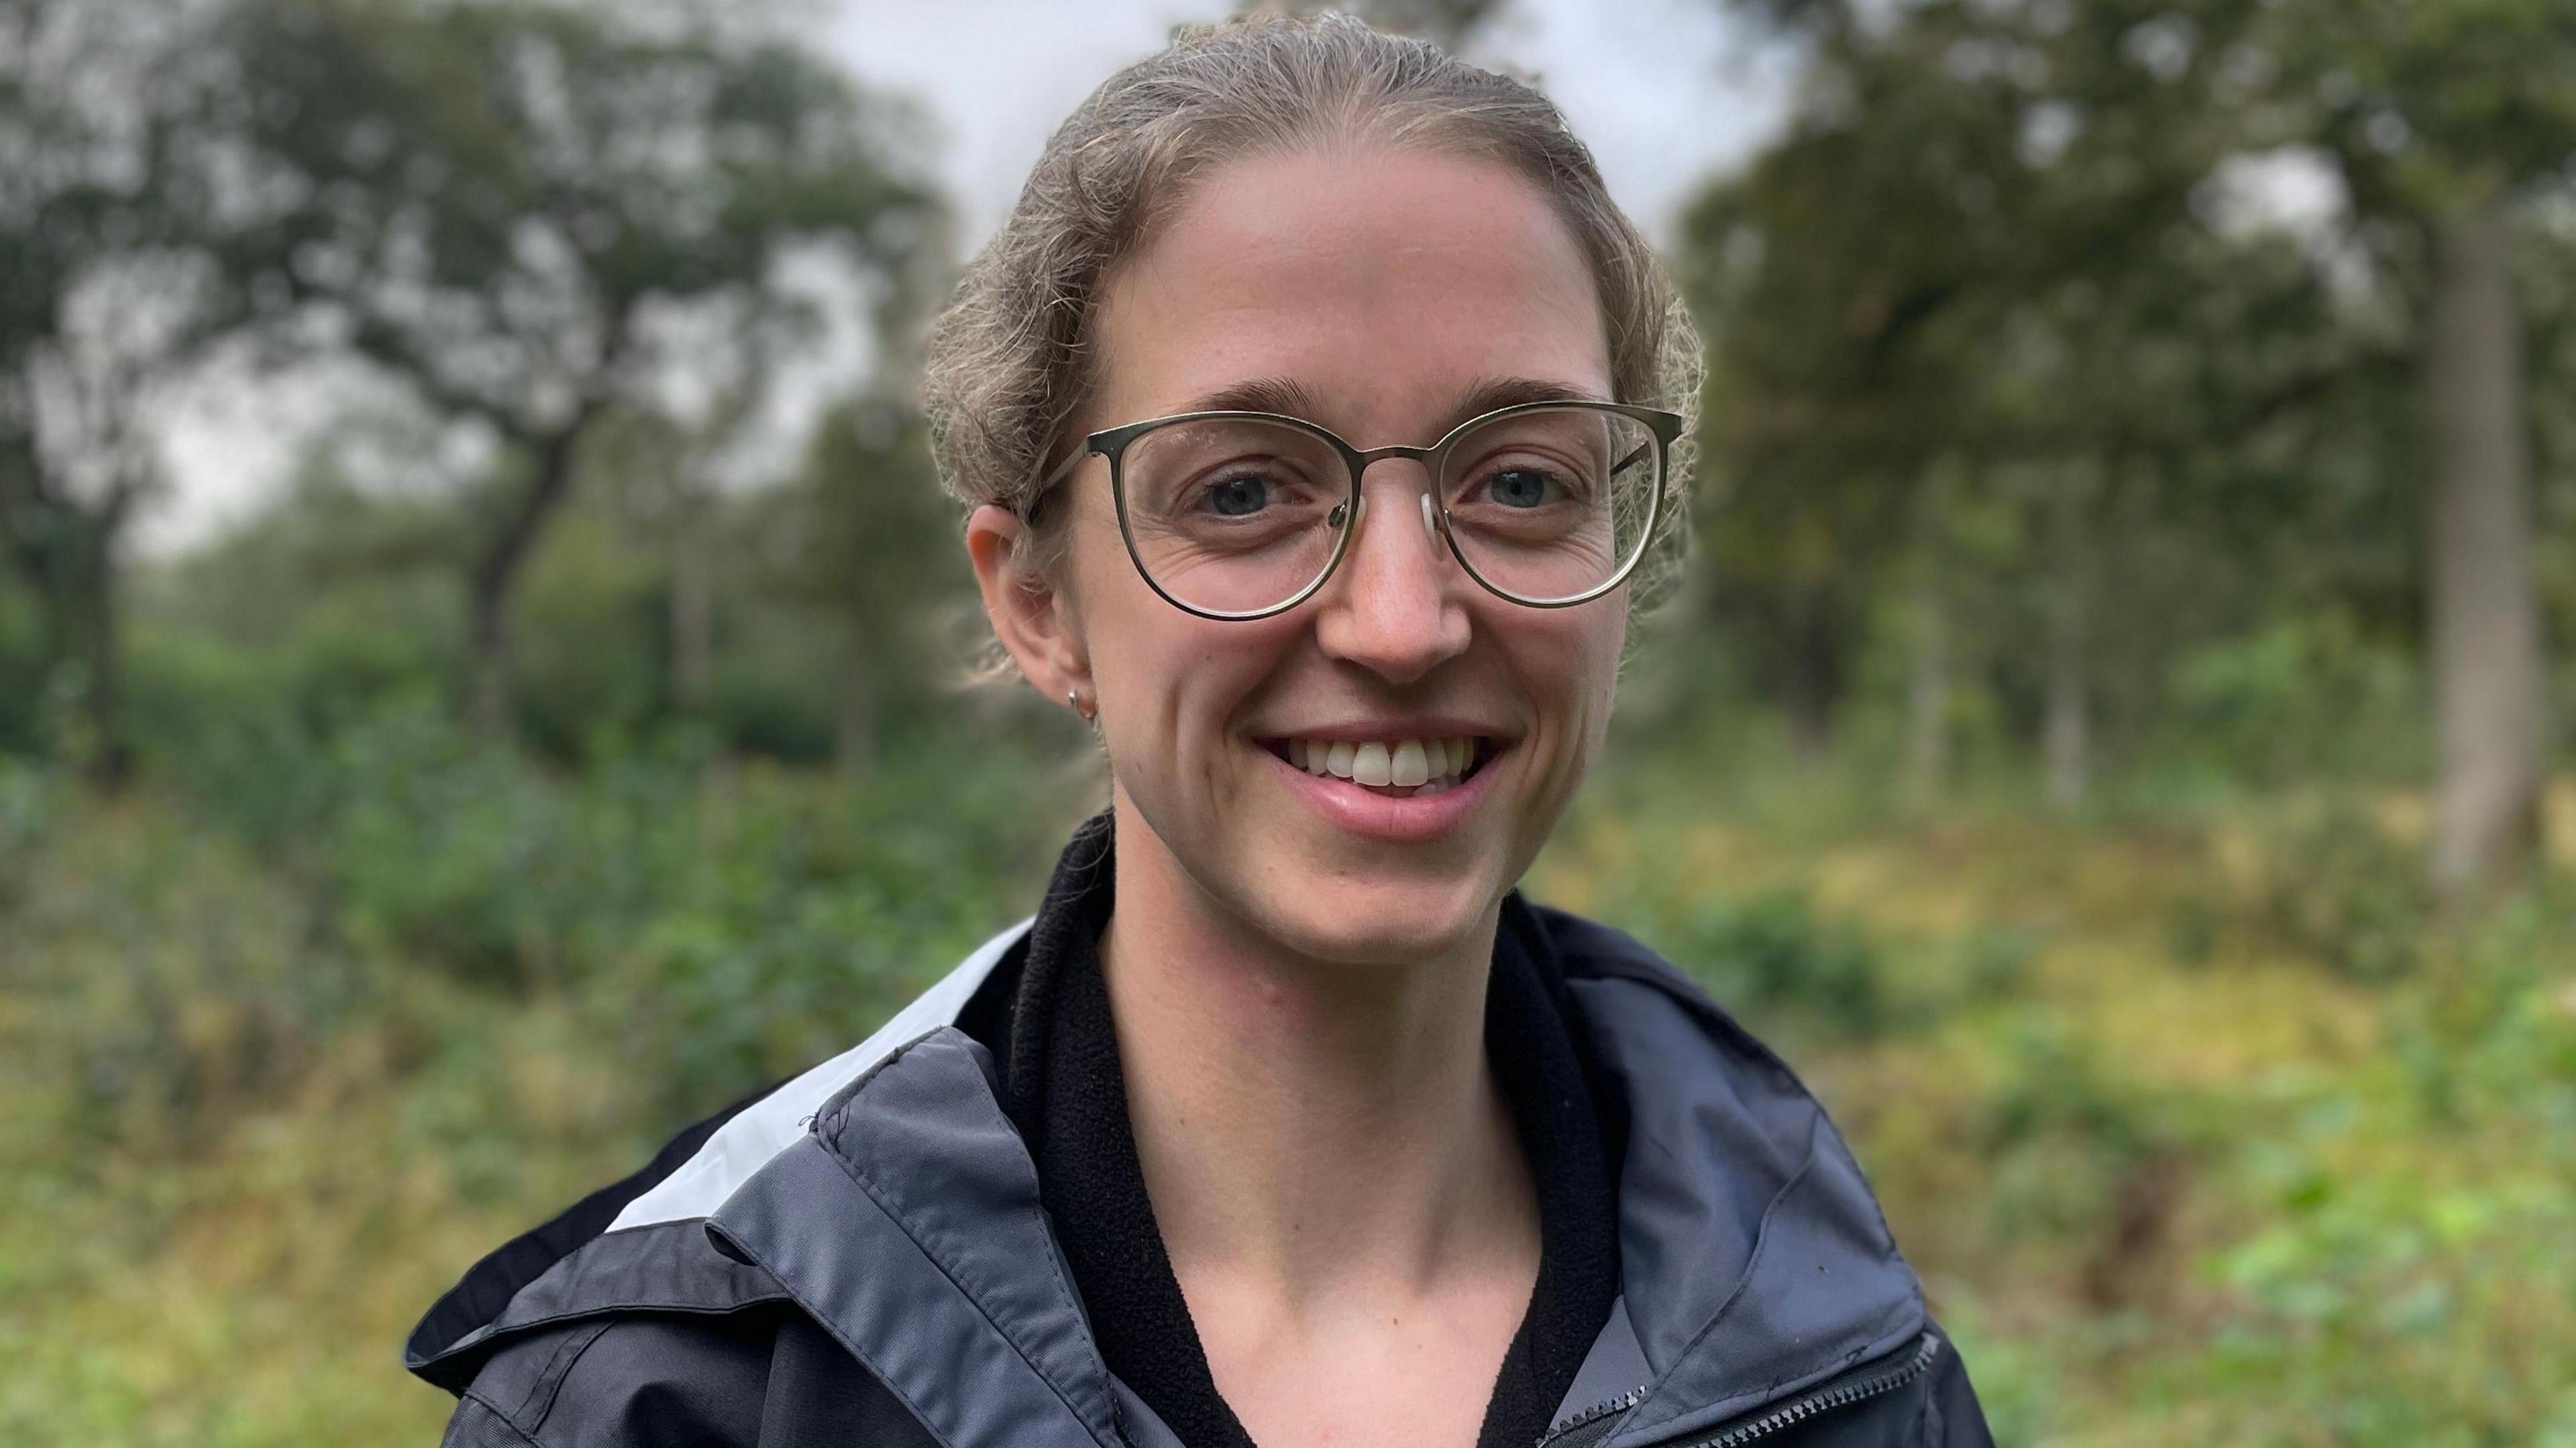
860	1257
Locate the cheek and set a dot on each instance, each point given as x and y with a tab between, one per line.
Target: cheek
1126	637
1171	685
1571	666
1574	657
1609	639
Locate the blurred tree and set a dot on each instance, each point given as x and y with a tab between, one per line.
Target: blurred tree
676	458
2029	239
1980	256
2446	121
878	551
517	204
128	237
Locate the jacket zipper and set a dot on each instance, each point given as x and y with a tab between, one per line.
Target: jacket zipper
1786	1415
1594	1414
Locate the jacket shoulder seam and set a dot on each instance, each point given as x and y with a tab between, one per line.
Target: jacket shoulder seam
614	1308
827	1120
493	1411
569	1355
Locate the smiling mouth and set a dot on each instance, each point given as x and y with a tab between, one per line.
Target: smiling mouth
1395	768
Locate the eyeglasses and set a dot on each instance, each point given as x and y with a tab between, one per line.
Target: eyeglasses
1243	515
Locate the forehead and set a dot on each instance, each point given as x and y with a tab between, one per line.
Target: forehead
1386	284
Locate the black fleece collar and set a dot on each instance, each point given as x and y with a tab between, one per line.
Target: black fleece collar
889	1195
1064	1089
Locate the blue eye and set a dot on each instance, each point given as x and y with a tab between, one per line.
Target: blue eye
1518	487
1239	496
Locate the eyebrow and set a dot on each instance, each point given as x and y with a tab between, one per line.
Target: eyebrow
1261	394
1498	392
1296	399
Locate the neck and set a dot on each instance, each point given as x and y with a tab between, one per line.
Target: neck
1306	1126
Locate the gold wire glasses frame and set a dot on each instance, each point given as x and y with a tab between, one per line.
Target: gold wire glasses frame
1115	444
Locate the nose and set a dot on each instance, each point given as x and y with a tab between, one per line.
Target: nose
1395	606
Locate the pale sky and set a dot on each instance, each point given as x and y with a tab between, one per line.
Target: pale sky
1666	92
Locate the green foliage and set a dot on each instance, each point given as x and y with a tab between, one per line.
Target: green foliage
344	599
2296	1169
593	635
2336	886
2202	1125
30	805
2271	701
1773	953
22	670
544	223
2192	420
2389	1278
478	148
427	990
736	919
2073	343
2065	1137
308	617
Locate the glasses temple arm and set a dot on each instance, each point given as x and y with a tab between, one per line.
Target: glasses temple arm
1062	471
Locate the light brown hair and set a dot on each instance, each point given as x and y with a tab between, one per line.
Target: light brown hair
1010	363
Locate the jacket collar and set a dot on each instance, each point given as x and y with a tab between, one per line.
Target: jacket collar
908	1224
1755	1262
906	1220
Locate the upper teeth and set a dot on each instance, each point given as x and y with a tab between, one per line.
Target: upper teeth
1401	762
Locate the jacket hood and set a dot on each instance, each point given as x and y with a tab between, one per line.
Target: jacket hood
888	1195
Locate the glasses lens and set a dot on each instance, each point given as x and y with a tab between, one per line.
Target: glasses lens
1233	515
1552	503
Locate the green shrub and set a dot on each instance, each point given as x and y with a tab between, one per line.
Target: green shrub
30	804
2334	884
2066	1137
1993	961
2303	696
2407	1273
1773	952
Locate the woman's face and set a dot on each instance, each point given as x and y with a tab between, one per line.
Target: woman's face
1387	295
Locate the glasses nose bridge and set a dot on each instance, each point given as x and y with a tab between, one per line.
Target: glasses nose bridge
1433	524
1361	460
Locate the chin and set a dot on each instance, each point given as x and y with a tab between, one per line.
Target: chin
1332	916
1293	876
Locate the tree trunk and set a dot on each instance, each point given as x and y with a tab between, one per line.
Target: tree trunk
1811	676
494	582
70	557
94	619
2067	727
1927	693
854	741
489	704
2482	612
67	555
693	606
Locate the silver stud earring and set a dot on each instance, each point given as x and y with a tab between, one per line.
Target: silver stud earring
1073	701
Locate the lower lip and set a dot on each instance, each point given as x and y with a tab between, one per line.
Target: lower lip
1409	819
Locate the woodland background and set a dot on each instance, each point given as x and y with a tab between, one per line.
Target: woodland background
2117	740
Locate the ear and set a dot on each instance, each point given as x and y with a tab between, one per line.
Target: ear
1030	615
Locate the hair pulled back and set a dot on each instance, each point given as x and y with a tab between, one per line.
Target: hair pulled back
1009	364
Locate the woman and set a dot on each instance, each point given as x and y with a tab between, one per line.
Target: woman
1317	415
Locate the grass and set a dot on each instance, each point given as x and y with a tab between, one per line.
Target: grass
2183	1154
2186	1147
